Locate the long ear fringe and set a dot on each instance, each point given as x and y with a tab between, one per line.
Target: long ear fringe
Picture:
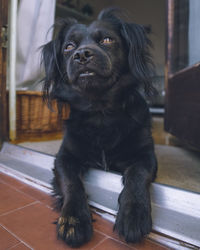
49	60
140	60
51	57
135	36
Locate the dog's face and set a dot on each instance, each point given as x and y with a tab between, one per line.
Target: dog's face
92	58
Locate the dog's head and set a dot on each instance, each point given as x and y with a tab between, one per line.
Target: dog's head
92	58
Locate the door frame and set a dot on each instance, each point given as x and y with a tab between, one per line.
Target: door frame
3	71
165	195
181	103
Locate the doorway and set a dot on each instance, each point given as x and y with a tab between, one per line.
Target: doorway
179	160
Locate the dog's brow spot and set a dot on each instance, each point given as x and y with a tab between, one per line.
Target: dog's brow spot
70	232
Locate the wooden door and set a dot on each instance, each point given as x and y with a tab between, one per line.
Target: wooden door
182	116
3	52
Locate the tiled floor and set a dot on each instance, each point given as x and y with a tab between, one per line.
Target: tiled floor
26	222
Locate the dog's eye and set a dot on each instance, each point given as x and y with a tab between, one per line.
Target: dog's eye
107	40
69	47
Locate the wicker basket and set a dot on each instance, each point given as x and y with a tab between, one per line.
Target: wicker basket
33	115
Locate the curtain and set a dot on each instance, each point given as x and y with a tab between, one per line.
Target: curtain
34	29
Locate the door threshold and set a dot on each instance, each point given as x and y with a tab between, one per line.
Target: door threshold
175	212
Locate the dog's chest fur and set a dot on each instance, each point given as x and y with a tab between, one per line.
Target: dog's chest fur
104	132
102	137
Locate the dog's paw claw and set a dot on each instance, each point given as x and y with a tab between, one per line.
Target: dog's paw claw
70	233
66	226
74	231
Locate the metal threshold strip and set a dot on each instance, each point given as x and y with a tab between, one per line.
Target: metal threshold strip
175	212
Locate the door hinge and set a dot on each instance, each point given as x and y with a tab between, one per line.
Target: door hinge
4	36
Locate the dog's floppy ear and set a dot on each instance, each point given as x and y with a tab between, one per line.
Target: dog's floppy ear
52	61
50	53
139	58
138	45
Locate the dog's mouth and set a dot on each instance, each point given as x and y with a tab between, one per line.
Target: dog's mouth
87	74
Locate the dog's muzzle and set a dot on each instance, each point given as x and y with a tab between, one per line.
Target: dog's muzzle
88	62
83	56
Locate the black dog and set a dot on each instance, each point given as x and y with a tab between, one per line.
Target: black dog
99	69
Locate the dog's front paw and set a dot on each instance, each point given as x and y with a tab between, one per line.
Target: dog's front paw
133	222
75	231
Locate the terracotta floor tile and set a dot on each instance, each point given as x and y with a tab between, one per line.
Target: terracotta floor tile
33	222
20	246
38	195
31	191
104	226
11	181
34	225
110	244
12	199
148	245
7	240
96	239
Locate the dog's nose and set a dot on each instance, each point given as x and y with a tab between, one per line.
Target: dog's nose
83	55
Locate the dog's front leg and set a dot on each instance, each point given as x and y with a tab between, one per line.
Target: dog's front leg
133	220
74	225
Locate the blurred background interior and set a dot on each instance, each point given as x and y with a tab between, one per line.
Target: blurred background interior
175	110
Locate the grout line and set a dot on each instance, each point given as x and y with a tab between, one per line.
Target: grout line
18	245
102	233
19	190
19	208
24	179
42	201
14	235
117	240
123	243
15	245
100	242
11	177
48	206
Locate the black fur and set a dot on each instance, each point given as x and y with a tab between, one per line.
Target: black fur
100	76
